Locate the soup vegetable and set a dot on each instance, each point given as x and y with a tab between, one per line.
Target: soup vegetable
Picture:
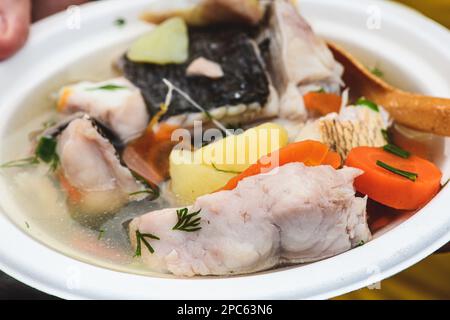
231	144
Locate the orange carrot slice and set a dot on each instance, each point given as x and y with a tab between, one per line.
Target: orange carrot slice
322	102
63	99
311	153
392	189
333	159
73	193
149	155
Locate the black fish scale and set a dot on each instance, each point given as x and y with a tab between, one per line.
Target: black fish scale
244	80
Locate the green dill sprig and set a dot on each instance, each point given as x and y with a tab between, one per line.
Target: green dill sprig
120	22
20	163
360	243
367	103
140	238
406	174
386	135
101	232
395	150
108	87
188	222
221	170
377	72
150	189
45	152
321	90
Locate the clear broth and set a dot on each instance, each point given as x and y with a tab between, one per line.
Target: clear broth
44	215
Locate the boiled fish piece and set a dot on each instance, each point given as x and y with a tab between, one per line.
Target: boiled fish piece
354	126
298	60
295	214
117	103
90	170
241	94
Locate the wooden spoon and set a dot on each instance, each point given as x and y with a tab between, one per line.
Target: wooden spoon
428	114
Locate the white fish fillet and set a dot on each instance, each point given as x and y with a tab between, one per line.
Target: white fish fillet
122	108
295	215
90	164
299	60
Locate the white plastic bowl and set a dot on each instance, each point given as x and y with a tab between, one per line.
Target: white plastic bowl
413	52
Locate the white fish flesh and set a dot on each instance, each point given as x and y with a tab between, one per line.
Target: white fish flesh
90	166
297	214
117	103
299	61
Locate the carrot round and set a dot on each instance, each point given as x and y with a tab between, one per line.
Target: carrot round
392	189
73	193
148	155
311	153
322	102
333	159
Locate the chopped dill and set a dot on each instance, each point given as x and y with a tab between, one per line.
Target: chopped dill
20	163
386	135
120	22
45	152
406	174
360	243
185	222
367	103
221	170
377	72
321	90
140	238
150	188
395	150
108	87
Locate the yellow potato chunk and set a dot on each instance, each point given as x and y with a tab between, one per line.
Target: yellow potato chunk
167	43
191	178
236	153
208	169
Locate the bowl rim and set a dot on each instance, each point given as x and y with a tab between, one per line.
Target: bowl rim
55	276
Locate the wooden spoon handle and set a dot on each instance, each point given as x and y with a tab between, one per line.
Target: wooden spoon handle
418	112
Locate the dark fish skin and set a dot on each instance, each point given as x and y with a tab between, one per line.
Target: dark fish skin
244	82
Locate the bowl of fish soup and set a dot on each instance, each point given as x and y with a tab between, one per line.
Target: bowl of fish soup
44	248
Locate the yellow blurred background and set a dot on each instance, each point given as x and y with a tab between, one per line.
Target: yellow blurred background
438	10
430	278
